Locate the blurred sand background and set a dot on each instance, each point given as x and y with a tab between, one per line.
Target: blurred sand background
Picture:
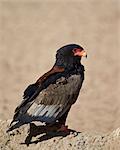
30	34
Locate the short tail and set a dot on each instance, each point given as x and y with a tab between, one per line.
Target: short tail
14	125
18	121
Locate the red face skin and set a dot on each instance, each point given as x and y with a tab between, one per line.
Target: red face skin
79	52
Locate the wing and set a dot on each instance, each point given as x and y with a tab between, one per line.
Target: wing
33	90
46	101
55	100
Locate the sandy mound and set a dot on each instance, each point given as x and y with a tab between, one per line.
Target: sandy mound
24	138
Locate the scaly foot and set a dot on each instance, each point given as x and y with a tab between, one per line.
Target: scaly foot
63	129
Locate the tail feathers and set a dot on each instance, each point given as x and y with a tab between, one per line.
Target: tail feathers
16	123
14	120
14	126
19	121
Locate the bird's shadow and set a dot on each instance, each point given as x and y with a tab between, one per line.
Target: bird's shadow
46	132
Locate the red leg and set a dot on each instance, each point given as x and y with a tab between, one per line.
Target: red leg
63	128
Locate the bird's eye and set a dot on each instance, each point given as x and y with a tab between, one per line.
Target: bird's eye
76	50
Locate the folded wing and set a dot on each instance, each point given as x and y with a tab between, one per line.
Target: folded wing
52	102
56	99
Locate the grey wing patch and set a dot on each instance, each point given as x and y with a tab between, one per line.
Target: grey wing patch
56	99
44	113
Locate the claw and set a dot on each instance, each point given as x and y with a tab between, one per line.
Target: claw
63	129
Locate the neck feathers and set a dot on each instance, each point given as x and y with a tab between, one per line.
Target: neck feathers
68	63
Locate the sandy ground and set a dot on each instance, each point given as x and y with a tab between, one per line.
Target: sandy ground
30	34
37	139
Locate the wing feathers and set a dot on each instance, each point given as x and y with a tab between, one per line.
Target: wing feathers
51	103
47	113
54	101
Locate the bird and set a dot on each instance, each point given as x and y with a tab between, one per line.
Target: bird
50	98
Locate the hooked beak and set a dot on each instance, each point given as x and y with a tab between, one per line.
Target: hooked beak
82	53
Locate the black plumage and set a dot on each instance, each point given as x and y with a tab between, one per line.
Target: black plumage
51	97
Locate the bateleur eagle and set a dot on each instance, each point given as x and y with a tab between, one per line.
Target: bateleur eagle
50	98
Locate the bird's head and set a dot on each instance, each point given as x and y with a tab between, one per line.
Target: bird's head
69	56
